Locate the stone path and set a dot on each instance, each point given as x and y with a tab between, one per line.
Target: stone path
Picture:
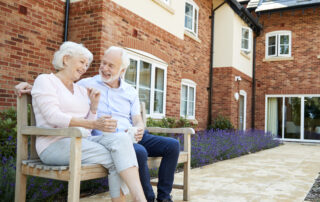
284	173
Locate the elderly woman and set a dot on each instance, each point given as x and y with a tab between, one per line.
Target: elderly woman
58	103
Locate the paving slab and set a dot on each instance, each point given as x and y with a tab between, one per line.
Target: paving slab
285	173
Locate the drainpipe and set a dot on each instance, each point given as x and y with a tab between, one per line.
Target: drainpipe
66	21
211	65
253	83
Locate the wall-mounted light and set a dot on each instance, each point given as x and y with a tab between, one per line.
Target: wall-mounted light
236	96
237	78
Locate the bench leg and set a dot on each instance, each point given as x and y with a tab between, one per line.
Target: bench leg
186	181
75	170
21	186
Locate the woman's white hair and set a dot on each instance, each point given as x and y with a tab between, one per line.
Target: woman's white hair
72	49
124	56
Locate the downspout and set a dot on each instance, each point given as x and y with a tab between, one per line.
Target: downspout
211	65
66	21
253	83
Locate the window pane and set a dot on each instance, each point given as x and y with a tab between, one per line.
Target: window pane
312	118
284	39
191	94
144	96
183	103
131	73
190	110
195	20
145	75
188	22
245	33
189	10
159	83
188	16
183	108
292	117
158	102
284	49
245	44
272	40
184	92
271	50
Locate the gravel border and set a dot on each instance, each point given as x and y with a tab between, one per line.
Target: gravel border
314	193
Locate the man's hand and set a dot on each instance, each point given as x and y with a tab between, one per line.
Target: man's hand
94	96
23	88
106	124
139	134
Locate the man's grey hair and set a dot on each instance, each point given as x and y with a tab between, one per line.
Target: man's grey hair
124	56
72	49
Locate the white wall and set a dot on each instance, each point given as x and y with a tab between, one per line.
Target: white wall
223	37
227	41
242	62
154	13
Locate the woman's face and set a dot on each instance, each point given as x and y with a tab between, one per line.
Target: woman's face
76	66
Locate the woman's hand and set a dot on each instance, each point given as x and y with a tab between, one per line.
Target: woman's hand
106	124
94	96
23	88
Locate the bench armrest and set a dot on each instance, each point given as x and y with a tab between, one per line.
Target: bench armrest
170	130
66	132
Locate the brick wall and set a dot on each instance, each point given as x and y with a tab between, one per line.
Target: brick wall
224	88
30	32
30	41
103	23
298	76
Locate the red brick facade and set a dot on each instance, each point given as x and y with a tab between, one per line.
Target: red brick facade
298	76
30	32
224	88
30	40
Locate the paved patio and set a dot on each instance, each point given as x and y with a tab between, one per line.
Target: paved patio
285	173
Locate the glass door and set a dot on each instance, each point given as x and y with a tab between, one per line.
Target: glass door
241	113
312	118
292	114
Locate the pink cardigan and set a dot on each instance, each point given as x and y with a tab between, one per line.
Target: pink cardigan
54	106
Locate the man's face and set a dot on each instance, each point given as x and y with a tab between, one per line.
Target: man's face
109	70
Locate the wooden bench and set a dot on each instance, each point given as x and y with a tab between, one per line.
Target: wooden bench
76	172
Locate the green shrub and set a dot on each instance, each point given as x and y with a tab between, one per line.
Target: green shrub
8	132
169	122
222	123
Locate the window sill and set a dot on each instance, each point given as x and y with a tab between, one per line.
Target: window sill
192	36
164	6
246	55
277	59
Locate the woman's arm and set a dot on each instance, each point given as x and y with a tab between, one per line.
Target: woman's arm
104	123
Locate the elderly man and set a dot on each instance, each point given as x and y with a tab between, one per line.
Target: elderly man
120	101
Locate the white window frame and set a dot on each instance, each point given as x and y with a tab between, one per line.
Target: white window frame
141	56
194	7
249	39
189	83
277	34
244	94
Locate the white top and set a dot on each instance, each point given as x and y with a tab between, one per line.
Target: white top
54	106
